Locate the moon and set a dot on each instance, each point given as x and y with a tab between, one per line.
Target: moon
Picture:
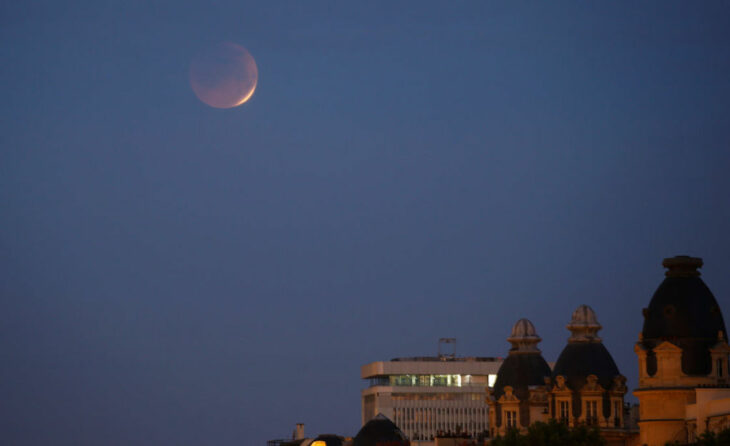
224	75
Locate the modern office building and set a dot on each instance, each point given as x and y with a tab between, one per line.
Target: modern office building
429	395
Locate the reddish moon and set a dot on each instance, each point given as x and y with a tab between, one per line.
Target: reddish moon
224	75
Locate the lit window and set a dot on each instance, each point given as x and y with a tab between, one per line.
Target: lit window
591	412
564	411
492	380
510	418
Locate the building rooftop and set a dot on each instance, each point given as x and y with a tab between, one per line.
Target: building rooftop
684	312
432	365
447	359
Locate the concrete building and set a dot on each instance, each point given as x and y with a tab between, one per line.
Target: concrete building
425	396
684	378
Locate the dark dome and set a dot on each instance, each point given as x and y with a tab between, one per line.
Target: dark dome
520	371
684	312
578	360
524	365
585	354
380	430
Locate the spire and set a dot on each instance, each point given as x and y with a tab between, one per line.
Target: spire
584	326
524	338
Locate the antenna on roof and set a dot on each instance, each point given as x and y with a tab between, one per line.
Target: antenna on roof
444	355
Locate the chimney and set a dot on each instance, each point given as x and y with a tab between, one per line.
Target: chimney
299	432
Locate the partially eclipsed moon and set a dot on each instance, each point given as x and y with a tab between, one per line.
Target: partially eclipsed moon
224	75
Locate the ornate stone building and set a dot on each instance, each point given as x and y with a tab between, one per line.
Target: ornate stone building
586	386
683	359
519	396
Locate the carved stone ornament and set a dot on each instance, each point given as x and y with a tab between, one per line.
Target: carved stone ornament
508	395
619	384
592	383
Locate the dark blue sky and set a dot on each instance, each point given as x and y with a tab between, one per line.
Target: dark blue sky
174	274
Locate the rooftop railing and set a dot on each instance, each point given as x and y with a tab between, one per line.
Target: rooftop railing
385	381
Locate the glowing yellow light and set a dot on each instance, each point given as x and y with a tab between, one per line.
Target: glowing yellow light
318	443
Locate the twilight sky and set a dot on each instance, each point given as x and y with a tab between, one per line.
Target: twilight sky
174	274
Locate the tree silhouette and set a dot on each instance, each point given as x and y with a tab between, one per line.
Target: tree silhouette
551	433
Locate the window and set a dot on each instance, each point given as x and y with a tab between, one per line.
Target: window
617	414
591	412
491	380
564	412
418	380
719	367
510	418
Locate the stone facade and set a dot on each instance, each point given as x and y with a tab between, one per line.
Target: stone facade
684	371
584	388
519	396
683	360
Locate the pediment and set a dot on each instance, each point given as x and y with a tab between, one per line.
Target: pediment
592	384
509	396
720	347
667	346
619	384
559	384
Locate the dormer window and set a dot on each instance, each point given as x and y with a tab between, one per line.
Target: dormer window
510	418
564	412
591	412
719	367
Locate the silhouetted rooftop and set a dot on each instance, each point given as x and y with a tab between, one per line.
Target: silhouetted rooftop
447	359
380	431
684	312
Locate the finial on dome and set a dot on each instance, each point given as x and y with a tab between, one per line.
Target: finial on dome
524	338
584	325
682	266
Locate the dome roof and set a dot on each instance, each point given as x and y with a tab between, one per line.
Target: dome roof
585	354
684	312
520	372
580	359
584	325
523	328
524	338
380	430
524	366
